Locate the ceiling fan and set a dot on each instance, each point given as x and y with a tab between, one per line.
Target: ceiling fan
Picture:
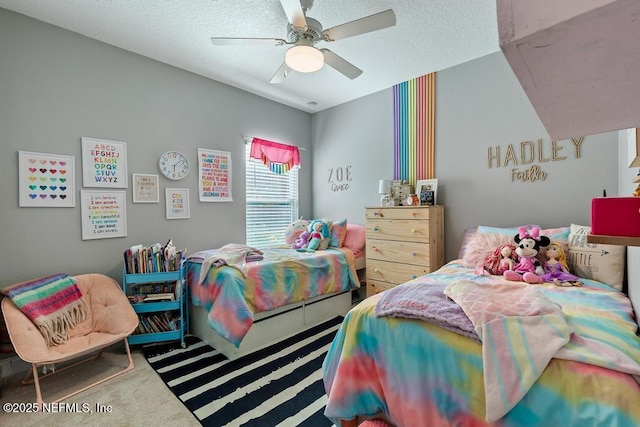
304	32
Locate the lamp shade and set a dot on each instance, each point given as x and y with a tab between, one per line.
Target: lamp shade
304	59
384	186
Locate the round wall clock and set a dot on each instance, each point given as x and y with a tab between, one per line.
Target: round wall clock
174	165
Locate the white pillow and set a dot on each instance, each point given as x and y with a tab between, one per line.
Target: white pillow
604	263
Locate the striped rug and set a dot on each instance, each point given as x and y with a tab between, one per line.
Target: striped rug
279	385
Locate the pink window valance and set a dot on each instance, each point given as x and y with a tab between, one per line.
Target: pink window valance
279	158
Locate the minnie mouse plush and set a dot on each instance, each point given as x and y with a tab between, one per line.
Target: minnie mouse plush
528	268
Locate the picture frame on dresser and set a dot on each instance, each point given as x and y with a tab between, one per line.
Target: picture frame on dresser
427	191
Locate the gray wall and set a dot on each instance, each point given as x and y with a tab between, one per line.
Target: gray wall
479	104
57	86
357	135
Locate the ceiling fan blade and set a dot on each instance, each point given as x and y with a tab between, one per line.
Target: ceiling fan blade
367	24
281	74
340	64
294	12
235	41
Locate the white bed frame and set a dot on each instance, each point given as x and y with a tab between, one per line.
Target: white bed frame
272	326
275	325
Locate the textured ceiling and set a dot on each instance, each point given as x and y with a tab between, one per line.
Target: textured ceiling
430	35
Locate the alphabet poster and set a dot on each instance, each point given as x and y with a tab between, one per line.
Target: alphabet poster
214	175
104	214
104	163
46	180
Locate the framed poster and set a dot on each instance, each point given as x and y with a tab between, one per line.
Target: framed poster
46	180
177	203
104	214
427	191
104	163
145	188
214	175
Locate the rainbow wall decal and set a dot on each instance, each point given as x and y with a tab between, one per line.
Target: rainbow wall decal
413	129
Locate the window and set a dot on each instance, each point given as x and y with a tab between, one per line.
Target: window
272	203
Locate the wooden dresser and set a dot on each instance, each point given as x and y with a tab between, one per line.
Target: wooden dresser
403	242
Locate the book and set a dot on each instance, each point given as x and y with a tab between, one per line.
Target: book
164	296
139	259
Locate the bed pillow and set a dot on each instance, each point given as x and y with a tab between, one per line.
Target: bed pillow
355	238
486	229
604	263
481	245
338	233
560	234
468	235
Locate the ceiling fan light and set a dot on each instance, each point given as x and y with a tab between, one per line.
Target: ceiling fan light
304	59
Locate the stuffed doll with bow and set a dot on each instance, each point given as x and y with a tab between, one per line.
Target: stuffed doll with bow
528	244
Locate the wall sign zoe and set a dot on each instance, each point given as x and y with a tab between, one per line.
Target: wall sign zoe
529	153
339	178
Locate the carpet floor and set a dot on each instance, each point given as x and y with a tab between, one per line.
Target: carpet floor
278	385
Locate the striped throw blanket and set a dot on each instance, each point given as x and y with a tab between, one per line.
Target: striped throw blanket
521	331
54	304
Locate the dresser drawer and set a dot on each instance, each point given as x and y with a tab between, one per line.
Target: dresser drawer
393	272
397	213
395	251
398	229
374	287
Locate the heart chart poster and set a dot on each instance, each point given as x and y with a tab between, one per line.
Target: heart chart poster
46	180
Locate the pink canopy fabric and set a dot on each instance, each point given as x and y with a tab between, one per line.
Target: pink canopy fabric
279	158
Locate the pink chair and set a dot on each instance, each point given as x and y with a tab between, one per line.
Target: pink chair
110	319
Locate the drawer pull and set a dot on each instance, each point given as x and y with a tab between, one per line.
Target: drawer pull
414	254
413	230
413	276
375	249
375	228
376	270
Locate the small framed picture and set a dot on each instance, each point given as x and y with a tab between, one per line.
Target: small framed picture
46	180
177	203
427	191
145	188
104	214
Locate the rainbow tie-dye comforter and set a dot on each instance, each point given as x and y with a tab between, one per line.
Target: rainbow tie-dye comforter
418	374
282	277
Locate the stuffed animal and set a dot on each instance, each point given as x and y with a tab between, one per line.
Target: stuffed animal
319	236
556	267
297	227
302	241
528	268
503	258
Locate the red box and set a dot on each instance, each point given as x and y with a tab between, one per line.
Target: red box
615	216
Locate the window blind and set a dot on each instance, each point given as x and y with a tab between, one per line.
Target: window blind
272	203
